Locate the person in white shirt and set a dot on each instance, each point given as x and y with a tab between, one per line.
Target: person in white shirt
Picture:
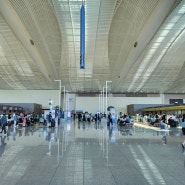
15	119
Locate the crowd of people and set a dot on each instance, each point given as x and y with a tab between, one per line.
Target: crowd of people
16	119
88	117
164	122
155	119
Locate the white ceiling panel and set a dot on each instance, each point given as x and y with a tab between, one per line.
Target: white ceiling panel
137	44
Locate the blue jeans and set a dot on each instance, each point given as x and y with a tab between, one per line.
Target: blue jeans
4	128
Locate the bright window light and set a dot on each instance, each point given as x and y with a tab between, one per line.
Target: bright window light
155	45
182	10
169	26
159	39
151	51
164	32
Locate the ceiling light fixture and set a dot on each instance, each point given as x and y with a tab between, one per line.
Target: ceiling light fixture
31	41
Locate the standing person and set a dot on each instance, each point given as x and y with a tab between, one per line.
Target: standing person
163	124
183	124
9	120
50	119
109	119
153	120
15	119
163	133
3	123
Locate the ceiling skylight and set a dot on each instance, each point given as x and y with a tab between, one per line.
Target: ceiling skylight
164	39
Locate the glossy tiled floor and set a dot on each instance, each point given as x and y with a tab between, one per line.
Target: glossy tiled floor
91	154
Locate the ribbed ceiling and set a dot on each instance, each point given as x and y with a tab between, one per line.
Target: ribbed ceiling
136	44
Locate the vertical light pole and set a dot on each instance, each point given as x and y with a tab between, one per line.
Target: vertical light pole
100	101
101	98
59	100
67	100
64	100
99	107
106	96
103	110
67	104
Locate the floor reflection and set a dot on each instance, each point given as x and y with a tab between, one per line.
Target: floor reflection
93	148
3	145
72	130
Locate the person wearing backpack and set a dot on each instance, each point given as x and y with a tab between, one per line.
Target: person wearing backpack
3	123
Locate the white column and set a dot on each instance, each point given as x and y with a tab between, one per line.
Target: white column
162	98
103	110
59	98
64	99
99	102
106	97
